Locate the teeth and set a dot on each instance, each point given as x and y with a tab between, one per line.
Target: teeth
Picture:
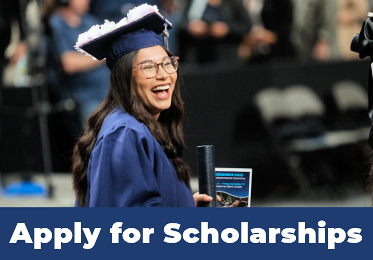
161	88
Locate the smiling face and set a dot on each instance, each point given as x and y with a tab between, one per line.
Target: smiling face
154	93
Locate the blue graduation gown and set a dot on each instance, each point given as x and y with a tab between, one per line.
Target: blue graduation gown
128	168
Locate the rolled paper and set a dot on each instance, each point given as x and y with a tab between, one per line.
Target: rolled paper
206	173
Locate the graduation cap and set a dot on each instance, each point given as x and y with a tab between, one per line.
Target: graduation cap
131	35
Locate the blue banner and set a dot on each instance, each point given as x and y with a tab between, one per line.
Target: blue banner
185	233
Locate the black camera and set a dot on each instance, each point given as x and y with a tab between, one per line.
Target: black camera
362	42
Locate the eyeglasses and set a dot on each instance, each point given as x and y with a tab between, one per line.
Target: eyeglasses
150	69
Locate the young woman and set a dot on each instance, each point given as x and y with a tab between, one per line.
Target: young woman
132	148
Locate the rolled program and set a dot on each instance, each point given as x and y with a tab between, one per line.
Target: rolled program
206	173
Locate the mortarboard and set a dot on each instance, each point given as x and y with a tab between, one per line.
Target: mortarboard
138	30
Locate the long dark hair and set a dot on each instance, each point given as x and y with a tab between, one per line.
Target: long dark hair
167	130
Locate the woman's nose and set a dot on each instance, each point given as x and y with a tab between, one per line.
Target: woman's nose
161	72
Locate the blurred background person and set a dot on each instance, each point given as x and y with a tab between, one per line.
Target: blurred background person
10	12
211	30
115	10
350	16
172	9
270	36
86	78
314	32
323	29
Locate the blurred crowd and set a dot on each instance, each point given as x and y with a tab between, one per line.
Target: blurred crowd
204	31
38	37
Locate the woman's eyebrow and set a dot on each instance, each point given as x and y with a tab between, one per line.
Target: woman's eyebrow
165	57
144	61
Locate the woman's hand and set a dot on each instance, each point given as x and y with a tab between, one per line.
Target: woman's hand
203	198
235	204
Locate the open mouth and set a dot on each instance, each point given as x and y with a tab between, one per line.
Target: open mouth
161	91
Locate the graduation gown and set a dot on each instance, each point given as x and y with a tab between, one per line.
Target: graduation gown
128	168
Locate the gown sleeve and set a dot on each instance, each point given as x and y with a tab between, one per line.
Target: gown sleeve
121	171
